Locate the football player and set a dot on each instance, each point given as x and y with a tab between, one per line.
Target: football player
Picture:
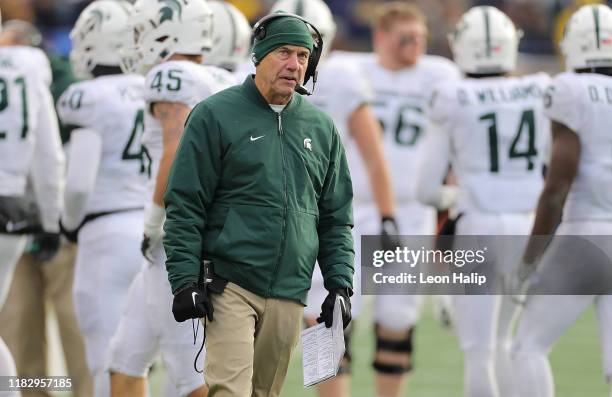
401	76
579	187
29	147
105	182
170	38
491	128
344	93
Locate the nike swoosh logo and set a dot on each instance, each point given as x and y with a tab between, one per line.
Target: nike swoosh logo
193	296
254	139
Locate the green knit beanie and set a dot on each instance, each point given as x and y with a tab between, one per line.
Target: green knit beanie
282	31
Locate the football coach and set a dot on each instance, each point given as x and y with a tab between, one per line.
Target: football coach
260	187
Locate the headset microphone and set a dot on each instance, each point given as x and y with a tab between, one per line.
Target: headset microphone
300	89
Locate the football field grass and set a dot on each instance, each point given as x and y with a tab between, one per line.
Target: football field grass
576	362
438	372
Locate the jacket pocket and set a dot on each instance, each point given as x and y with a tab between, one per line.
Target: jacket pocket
294	276
250	235
305	182
316	166
215	222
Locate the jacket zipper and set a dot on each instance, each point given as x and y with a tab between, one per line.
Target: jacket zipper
285	207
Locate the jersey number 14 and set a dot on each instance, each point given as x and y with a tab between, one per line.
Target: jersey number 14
526	127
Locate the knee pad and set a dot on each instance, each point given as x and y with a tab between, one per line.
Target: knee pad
345	365
401	346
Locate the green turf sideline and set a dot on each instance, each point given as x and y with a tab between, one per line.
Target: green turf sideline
576	362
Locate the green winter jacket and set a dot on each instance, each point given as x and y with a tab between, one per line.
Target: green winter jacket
263	195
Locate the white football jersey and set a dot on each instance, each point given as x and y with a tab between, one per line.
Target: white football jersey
113	107
340	90
243	70
400	99
222	76
499	139
583	102
177	81
24	73
29	134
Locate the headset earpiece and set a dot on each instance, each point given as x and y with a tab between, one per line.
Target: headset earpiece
260	33
315	56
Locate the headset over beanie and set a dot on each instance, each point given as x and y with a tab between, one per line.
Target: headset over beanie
281	31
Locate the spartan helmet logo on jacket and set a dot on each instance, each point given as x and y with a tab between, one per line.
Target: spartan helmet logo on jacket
308	144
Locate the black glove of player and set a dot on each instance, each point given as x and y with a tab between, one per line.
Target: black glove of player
44	246
191	301
327	308
389	234
145	248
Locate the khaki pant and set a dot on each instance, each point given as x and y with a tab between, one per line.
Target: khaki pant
249	343
36	285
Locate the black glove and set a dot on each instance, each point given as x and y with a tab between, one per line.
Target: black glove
327	308
145	248
191	301
389	234
44	246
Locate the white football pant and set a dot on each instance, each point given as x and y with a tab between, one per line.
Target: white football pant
11	248
148	327
484	322
108	259
547	317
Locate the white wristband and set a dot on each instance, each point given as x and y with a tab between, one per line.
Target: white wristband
448	196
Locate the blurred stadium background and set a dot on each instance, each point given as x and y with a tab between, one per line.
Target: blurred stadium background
576	360
541	20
